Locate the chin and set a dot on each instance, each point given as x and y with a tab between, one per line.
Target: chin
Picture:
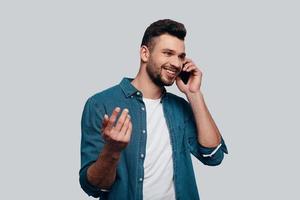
167	82
162	81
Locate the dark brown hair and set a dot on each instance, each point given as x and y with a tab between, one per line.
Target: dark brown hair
160	27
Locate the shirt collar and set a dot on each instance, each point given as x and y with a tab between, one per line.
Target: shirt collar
130	90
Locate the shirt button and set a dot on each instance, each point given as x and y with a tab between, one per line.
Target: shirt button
142	155
143	108
140	179
144	131
131	96
138	93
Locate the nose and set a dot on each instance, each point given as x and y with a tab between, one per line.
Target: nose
176	62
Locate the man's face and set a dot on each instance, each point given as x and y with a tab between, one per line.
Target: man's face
166	59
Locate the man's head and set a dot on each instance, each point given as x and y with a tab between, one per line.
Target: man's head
163	51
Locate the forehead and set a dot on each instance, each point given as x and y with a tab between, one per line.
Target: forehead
167	41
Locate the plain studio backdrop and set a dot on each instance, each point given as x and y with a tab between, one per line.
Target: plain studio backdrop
56	54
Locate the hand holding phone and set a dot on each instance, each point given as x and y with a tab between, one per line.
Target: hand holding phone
190	76
185	76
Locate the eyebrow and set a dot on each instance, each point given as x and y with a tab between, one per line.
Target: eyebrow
170	50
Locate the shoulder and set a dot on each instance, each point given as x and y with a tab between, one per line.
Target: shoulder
105	96
107	93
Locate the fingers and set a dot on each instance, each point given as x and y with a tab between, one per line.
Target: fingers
105	120
113	117
190	66
128	132
125	125
122	120
189	63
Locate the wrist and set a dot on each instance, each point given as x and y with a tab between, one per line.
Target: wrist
111	153
194	95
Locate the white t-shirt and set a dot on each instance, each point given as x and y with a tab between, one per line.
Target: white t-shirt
158	164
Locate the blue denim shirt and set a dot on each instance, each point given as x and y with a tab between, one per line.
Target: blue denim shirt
128	184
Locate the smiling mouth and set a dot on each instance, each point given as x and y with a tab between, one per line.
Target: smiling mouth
171	72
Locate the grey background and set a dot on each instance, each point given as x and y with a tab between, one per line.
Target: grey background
55	54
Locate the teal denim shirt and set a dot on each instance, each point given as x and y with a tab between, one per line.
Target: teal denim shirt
128	184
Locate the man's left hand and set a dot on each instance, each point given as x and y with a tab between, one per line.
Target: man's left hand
194	82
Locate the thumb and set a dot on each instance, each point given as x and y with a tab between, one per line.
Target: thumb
180	84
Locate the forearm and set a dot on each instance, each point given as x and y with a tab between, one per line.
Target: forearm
102	173
208	133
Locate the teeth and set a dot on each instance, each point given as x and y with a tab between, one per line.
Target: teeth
171	72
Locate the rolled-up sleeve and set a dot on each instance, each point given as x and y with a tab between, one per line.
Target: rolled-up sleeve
91	144
211	156
208	156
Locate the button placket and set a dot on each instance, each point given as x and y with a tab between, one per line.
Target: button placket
142	136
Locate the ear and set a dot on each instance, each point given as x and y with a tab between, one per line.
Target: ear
144	53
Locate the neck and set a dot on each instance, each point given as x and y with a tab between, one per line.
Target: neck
143	83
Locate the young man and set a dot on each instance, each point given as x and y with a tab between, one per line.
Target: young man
137	139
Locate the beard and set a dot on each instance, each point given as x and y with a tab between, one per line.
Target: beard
156	76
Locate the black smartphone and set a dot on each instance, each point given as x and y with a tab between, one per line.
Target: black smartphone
184	76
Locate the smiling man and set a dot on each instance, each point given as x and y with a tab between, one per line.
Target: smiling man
137	138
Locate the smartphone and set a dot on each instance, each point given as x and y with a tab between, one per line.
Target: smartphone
185	76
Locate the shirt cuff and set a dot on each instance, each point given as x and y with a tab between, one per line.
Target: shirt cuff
212	155
213	152
210	151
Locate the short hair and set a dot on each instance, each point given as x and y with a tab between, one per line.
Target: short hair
160	27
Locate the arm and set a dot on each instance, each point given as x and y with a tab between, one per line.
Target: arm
102	173
205	140
208	133
101	147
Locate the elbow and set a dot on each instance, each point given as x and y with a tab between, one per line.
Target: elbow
214	160
87	187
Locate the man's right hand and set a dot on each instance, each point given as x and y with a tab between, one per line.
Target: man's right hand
102	173
117	136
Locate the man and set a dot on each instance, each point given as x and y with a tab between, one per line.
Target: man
137	139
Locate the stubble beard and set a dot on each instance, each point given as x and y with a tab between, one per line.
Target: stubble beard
156	76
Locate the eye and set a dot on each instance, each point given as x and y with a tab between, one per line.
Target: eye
182	57
167	53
